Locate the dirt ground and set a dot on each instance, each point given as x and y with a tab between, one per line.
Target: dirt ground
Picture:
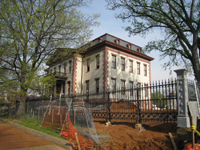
154	136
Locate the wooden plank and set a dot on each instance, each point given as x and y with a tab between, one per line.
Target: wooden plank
172	140
77	140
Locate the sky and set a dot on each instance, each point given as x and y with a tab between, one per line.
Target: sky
109	24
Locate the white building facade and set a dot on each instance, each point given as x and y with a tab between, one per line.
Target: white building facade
107	63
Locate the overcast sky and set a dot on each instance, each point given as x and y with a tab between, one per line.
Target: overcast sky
109	24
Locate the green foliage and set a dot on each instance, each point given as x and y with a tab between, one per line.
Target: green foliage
158	99
177	21
35	124
31	31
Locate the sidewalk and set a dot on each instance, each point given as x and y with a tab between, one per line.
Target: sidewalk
17	137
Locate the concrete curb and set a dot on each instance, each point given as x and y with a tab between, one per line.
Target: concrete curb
61	142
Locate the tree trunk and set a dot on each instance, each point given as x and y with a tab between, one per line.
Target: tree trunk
23	91
21	109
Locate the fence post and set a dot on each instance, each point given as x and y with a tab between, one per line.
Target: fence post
182	98
87	95
108	113
139	120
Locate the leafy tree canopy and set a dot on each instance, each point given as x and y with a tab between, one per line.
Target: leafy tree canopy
179	21
31	31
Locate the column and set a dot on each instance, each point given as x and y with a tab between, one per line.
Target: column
182	98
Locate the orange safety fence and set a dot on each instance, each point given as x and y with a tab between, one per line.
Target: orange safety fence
68	132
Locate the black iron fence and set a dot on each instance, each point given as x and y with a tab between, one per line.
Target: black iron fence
141	103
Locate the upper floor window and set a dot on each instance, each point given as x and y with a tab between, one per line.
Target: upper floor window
114	61
130	66
65	68
145	70
59	68
138	68
123	86
113	84
116	41
128	46
123	63
97	85
88	64
87	86
54	69
97	61
70	66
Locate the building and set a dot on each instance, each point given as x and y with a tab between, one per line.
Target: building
105	63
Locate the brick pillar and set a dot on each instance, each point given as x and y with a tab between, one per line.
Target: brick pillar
182	98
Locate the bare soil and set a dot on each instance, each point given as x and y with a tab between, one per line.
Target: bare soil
124	136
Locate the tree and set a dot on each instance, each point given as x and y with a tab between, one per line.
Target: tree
178	19
31	31
158	99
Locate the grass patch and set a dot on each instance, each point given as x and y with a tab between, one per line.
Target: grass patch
35	124
4	116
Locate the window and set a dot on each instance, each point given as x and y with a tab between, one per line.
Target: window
131	87
70	66
130	66
68	83
123	63
88	64
138	68
113	84
145	70
146	90
97	85
139	90
87	86
114	61
59	68
123	86
54	69
116	41
128	46
65	68
97	61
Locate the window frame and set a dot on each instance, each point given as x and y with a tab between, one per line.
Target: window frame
70	66
130	66
68	90
145	69
123	64
123	88
139	85
88	65
113	85
59	69
138	68
65	68
131	87
114	62
98	61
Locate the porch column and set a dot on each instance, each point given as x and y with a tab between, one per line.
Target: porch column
182	98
